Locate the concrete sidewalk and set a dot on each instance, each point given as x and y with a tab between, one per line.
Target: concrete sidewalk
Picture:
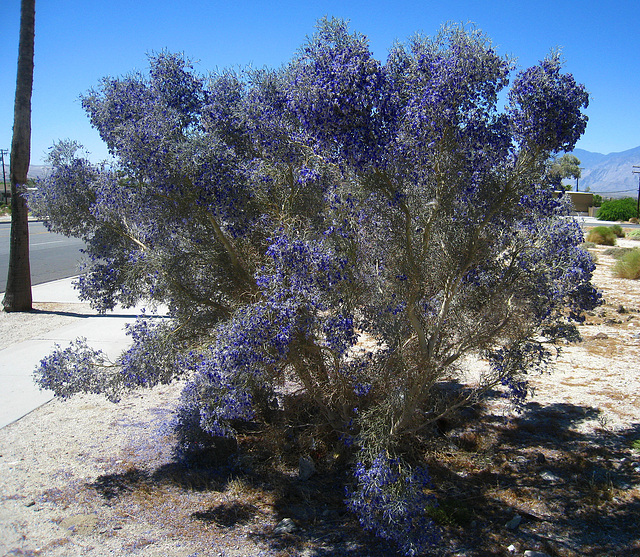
592	221
19	395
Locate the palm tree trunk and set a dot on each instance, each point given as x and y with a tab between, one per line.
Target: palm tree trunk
18	293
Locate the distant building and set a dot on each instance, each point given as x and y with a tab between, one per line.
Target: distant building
581	200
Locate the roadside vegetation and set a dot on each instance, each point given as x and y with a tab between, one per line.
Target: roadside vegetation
601	235
618	209
339	242
628	265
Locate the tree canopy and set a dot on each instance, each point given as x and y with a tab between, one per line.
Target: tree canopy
566	166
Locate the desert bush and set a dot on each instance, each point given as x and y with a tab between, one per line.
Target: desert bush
602	235
284	215
634	234
618	209
628	266
389	498
617	230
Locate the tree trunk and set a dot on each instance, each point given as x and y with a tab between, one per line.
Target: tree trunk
18	294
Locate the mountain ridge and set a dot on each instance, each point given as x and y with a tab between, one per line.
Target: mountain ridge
608	175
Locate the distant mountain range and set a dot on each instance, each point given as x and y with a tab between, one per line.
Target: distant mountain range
37	171
608	175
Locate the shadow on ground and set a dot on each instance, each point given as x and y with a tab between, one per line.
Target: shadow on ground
576	493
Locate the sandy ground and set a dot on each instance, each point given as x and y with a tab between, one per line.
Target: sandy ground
602	371
86	477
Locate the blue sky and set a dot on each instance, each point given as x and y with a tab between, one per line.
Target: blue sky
78	42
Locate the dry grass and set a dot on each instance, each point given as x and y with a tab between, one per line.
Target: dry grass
601	235
628	266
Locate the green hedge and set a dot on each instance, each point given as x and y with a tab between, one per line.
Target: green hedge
618	209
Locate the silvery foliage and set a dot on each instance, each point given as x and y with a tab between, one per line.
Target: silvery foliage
283	215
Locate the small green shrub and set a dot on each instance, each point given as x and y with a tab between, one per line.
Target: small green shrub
634	234
617	230
602	235
618	209
628	266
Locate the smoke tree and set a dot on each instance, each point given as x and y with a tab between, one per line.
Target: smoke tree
285	216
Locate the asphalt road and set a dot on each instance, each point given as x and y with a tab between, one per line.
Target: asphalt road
51	256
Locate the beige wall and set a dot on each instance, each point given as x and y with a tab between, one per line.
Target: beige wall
581	200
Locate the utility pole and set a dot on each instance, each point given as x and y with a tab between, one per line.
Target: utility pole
638	206
3	152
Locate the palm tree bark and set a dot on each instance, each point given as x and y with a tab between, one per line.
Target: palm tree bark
18	293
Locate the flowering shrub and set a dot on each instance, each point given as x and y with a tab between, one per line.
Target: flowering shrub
393	501
285	215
